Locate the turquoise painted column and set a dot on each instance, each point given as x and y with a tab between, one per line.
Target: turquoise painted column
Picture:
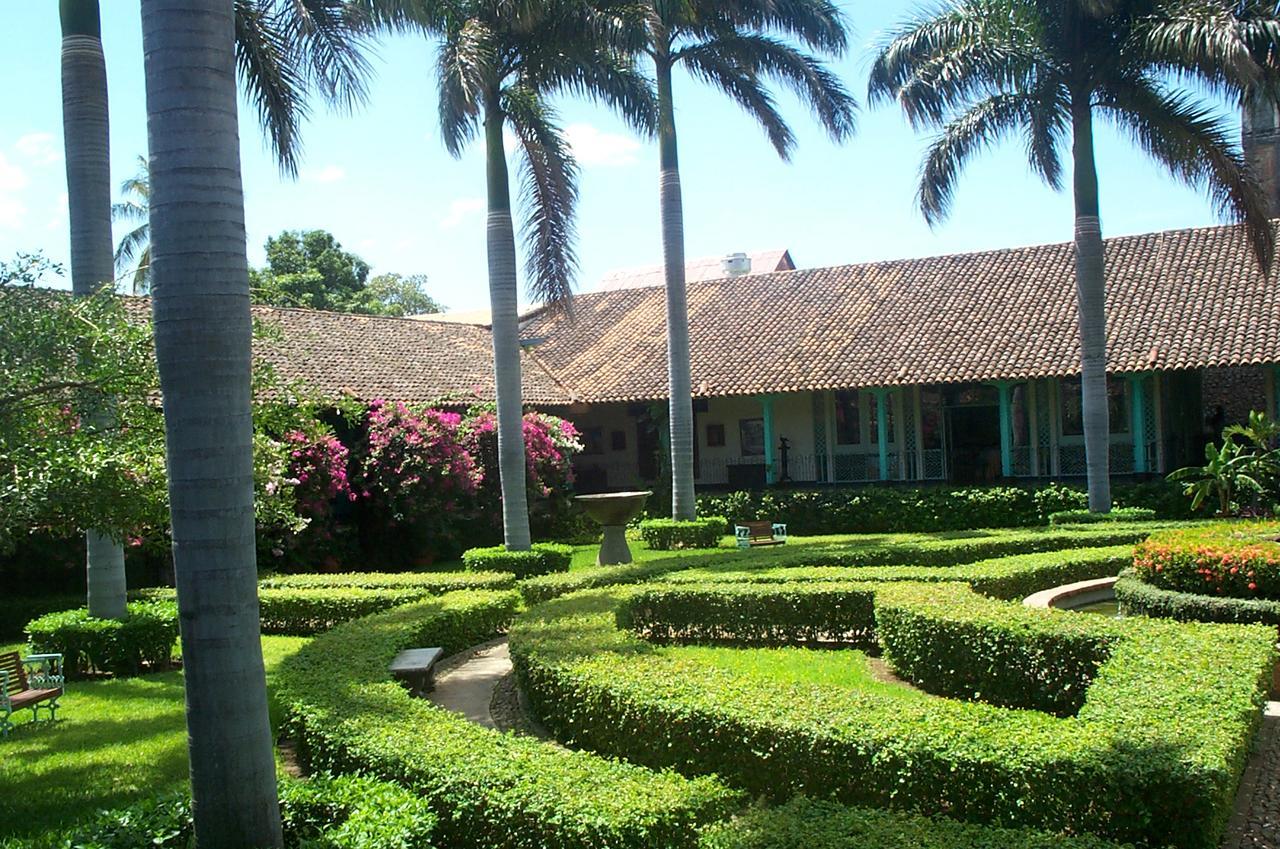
1138	421
1006	428
882	430
766	404
1275	377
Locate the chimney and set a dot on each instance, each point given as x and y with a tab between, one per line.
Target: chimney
1260	137
736	265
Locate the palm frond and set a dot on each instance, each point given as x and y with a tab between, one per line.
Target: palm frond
274	84
1198	148
132	245
549	190
1207	41
598	73
129	210
746	88
804	75
972	132
464	66
330	39
818	24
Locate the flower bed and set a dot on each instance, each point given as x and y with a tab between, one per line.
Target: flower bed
1153	724
1138	598
1230	560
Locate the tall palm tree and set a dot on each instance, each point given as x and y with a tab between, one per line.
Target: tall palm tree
499	63
134	250
983	70
202	323
738	48
87	152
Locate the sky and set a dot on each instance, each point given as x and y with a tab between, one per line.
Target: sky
381	181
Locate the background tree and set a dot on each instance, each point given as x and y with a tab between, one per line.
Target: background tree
983	70
86	141
310	269
133	253
402	294
738	48
498	65
203	328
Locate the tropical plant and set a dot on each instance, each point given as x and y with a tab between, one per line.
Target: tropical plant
134	250
1246	463
737	48
983	70
203	332
499	63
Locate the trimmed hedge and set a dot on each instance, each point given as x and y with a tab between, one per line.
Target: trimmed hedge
806	823
344	812
1234	560
544	558
143	640
1138	598
434	583
1152	755
17	611
878	509
489	790
1088	517
939	551
672	534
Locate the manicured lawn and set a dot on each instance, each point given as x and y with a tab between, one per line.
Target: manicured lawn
845	669
115	742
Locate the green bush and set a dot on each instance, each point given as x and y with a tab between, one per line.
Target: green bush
942	551
1138	598
143	640
489	790
1088	517
345	812
875	509
17	611
434	583
671	534
544	558
1152	755
813	824
1232	560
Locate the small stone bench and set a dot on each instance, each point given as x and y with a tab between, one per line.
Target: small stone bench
416	669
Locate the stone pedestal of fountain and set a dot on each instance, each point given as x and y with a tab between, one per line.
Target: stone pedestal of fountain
613	510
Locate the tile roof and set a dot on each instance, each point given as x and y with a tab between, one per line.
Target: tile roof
1176	299
695	271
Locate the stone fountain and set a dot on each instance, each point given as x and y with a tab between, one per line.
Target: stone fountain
613	510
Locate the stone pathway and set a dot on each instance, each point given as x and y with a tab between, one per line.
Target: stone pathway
466	681
1256	821
479	680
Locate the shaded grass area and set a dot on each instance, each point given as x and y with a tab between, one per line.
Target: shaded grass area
115	742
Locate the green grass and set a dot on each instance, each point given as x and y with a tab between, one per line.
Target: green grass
844	669
115	742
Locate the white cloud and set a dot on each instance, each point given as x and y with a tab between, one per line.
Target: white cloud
460	210
593	147
327	174
39	148
13	180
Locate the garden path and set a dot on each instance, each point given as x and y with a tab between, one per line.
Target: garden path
1256	821
466	681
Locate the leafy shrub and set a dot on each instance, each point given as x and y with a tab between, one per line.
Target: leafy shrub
670	534
489	790
344	812
1138	598
543	558
433	583
1088	517
804	823
17	611
875	509
854	553
1152	755
144	639
1235	560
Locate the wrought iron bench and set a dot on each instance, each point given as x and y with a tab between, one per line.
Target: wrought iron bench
752	534
34	682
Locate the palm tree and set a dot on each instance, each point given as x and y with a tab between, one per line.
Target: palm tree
202	336
983	70
738	48
499	62
134	250
87	152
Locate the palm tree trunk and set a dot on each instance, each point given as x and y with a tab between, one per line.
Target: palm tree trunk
87	149
203	335
1091	305
680	390
506	334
